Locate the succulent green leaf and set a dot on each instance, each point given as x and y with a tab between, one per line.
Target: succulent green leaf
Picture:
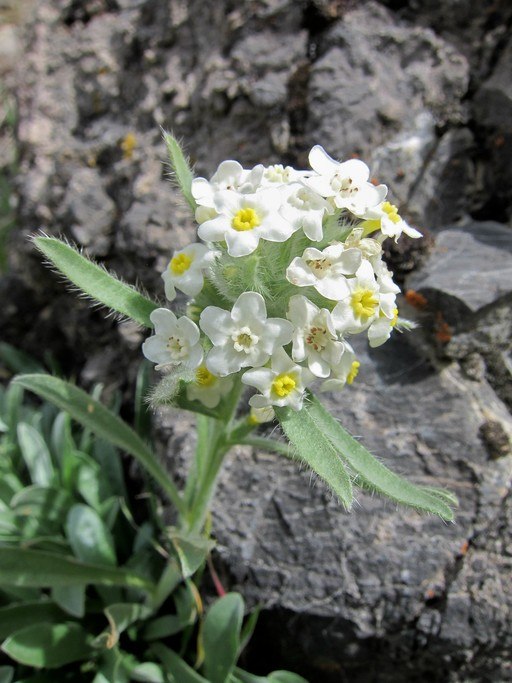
6	674
373	473
312	447
35	454
96	282
103	422
89	538
181	168
48	645
38	569
16	617
178	670
148	672
285	677
192	550
221	637
71	599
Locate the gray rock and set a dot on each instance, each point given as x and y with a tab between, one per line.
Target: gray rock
402	159
359	578
469	266
381	594
440	195
492	109
374	77
90	211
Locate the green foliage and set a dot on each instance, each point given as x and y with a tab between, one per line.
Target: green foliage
365	470
96	282
311	446
180	168
85	590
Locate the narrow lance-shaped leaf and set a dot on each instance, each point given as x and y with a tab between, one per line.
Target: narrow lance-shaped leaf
312	447
38	569
174	665
181	168
96	282
102	422
373	473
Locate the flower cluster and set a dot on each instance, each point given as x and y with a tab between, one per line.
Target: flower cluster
289	267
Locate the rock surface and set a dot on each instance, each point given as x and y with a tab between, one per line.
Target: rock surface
420	90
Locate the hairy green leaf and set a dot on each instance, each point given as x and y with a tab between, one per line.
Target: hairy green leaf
96	282
181	168
373	473
103	422
313	448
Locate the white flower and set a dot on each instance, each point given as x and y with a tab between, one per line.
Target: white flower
370	249
367	307
244	336
282	384
305	209
325	270
229	176
386	218
175	342
346	182
314	336
185	270
258	416
208	388
244	219
344	373
277	174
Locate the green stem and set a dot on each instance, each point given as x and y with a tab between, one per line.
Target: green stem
269	445
213	443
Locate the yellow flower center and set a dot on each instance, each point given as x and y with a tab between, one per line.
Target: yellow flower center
364	303
283	385
354	371
392	212
180	263
245	219
204	377
394	319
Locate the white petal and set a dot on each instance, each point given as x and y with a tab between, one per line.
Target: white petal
189	329
249	306
170	290
278	332
223	360
195	357
321	162
215	229
260	378
242	243
163	320
299	274
216	323
155	350
334	288
318	366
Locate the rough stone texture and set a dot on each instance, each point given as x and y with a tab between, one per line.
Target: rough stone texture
472	265
421	90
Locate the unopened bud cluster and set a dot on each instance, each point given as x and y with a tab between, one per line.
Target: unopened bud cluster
289	267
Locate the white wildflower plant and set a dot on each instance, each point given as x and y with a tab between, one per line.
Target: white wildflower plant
288	268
